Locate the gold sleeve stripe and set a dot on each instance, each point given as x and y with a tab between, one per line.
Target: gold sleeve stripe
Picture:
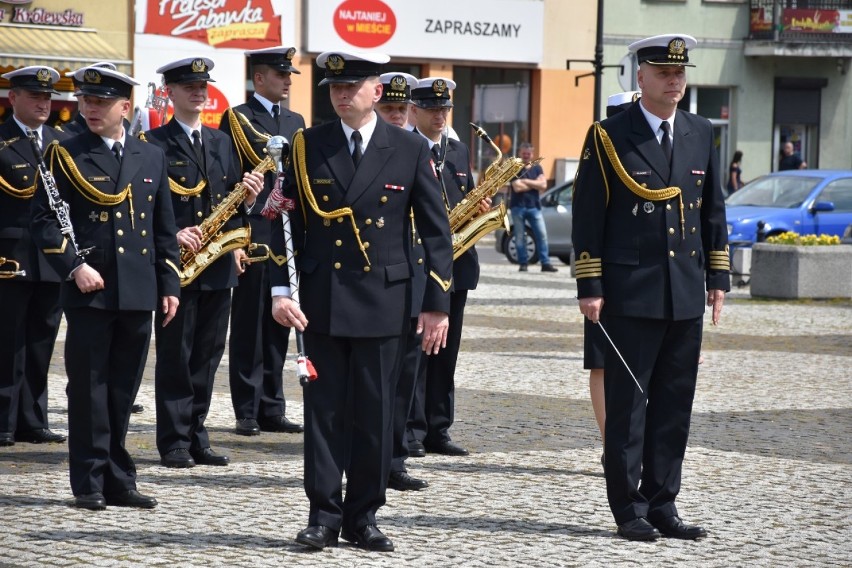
280	260
172	265
445	284
714	265
595	262
59	250
588	274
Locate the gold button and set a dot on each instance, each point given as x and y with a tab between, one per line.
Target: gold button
200	214
419	241
698	182
25	177
692	253
121	250
198	196
419	261
218	196
644	185
671	253
326	222
119	232
692	230
118	215
366	244
338	242
340	219
150	198
182	178
336	265
669	207
384	199
671	231
142	215
368	221
325	198
144	233
366	269
264	149
690	205
462	188
144	251
224	178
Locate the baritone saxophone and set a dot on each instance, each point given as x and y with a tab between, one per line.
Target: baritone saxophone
468	227
214	242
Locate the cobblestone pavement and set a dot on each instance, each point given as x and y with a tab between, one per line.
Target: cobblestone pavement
768	471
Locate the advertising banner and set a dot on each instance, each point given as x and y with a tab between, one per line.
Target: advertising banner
478	30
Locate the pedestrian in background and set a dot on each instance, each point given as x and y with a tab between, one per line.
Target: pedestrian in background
735	172
525	203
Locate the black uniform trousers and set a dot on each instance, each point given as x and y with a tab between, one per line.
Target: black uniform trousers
189	350
105	354
646	433
257	348
348	426
29	322
434	398
406	382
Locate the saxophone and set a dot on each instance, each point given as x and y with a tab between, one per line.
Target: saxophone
467	227
215	243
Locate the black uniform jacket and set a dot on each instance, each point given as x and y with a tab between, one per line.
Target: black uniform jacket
633	251
221	174
288	123
18	173
137	255
458	182
343	294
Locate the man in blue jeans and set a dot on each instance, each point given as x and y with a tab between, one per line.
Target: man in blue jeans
524	202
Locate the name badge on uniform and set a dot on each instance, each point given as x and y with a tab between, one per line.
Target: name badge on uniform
642	173
395	187
323	181
19	166
98	178
178	163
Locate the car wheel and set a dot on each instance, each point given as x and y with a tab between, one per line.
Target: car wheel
511	251
565	258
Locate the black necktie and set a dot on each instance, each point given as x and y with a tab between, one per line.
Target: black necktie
34	133
116	151
437	153
196	145
276	112
356	153
666	142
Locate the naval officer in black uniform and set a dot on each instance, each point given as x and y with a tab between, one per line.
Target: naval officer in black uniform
351	225
77	125
650	237
258	346
433	410
203	170
29	309
117	189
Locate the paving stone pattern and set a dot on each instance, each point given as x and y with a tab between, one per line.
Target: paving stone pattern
768	471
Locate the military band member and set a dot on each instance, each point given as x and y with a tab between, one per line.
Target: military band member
393	108
351	227
649	235
117	190
29	310
258	346
432	414
203	169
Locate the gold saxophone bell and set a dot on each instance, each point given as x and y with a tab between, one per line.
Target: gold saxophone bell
16	268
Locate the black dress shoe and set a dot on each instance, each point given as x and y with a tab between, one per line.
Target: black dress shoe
91	501
401	481
137	409
416	449
549	268
247	427
638	529
317	536
39	436
206	456
179	457
522	268
369	538
446	448
279	424
674	527
7	439
131	498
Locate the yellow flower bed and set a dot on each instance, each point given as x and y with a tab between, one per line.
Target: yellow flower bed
791	238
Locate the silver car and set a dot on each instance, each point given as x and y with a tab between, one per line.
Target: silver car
556	211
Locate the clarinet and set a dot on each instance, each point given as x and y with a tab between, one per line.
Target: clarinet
59	207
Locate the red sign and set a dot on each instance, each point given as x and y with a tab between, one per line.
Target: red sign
216	104
249	24
364	23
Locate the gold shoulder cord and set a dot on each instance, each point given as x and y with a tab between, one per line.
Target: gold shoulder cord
8	188
175	186
307	194
629	182
236	120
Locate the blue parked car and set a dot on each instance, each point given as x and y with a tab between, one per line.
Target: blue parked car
803	201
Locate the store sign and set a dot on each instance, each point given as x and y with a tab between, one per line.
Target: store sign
479	30
248	24
22	14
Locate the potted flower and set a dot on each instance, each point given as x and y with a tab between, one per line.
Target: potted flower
790	265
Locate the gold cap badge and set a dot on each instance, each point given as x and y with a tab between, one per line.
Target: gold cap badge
92	76
398	83
439	86
198	66
335	63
